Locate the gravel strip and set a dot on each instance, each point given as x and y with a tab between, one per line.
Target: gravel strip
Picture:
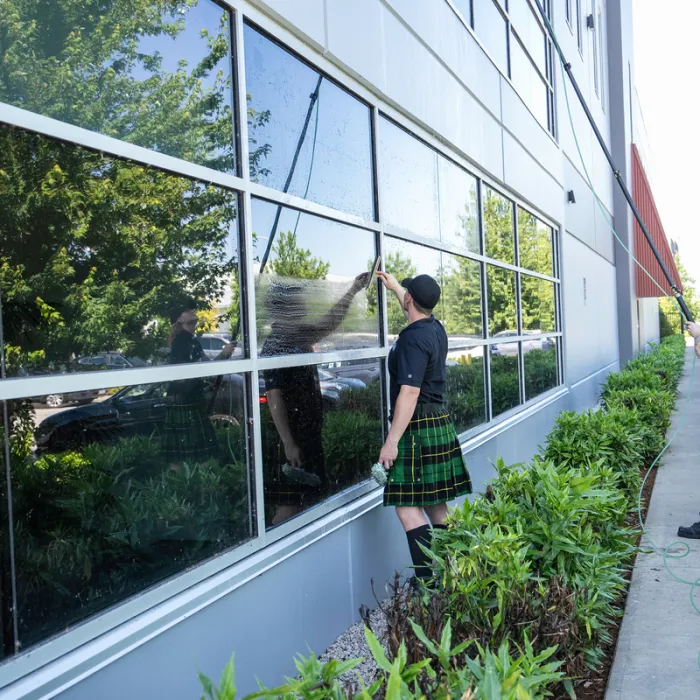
352	644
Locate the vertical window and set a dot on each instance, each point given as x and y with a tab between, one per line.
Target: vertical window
596	77
602	52
568	12
492	29
579	26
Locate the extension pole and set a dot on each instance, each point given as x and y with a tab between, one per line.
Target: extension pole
618	175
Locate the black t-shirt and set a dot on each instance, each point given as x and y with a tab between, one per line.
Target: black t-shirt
418	359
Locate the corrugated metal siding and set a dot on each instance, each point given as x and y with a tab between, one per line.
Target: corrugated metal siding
644	199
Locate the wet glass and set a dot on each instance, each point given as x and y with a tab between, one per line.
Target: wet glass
122	488
505	377
403	259
307	136
465	389
490	28
535	242
311	293
101	257
525	23
408	186
528	82
155	75
540	358
459	206
321	432
537	303
498	227
502	302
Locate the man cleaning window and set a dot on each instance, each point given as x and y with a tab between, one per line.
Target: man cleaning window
421	454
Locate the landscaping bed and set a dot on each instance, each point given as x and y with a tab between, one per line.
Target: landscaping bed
531	581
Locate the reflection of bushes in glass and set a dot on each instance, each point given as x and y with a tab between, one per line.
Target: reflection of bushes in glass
505	383
540	371
465	394
95	526
501	299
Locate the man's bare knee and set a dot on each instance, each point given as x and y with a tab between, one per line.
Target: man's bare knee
411	517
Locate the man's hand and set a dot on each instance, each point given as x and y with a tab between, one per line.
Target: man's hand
293	454
389	281
388	455
693	329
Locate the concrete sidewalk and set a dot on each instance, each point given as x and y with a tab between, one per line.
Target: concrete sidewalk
657	651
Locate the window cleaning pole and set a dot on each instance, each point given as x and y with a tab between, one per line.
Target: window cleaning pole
618	175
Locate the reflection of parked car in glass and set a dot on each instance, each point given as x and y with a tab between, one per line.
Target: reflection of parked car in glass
511	349
367	371
339	381
56	400
214	343
136	410
110	360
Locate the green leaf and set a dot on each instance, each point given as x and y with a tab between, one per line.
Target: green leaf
377	651
424	638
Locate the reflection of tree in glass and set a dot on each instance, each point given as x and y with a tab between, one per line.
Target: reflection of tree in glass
501	299
537	304
498	227
94	250
460	303
100	65
292	261
401	266
540	371
535	241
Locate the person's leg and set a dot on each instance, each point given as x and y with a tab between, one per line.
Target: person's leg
417	532
437	514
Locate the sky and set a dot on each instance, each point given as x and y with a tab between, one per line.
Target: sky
666	63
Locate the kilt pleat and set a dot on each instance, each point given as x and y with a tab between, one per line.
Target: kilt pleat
430	467
188	435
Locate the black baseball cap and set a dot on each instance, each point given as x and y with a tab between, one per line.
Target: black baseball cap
424	290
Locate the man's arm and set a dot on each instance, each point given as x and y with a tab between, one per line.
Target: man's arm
403	412
391	283
694	330
280	417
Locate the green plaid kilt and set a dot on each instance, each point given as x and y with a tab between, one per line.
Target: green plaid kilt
430	467
188	435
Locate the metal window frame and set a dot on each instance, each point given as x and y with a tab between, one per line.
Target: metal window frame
336	509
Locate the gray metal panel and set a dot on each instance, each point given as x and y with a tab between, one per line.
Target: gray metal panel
308	16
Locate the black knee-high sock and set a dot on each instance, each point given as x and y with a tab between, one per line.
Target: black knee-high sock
421	561
440	526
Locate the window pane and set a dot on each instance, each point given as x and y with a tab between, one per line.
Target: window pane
505	377
540	359
466	398
293	109
459	206
537	298
102	255
502	301
529	30
130	488
157	75
465	8
490	27
308	298
407	182
460	302
528	83
535	240
403	259
331	419
498	227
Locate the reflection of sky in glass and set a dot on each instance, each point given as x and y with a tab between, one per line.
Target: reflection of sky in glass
335	161
528	29
490	27
528	83
346	248
407	182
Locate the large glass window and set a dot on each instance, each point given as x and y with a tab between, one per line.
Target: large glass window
311	291
154	74
503	307
107	264
529	30
491	28
466	396
408	183
505	377
307	136
540	360
459	206
498	227
321	431
528	82
122	490
537	298
535	242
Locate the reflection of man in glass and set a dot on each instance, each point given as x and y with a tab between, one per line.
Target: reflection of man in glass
294	397
421	453
188	433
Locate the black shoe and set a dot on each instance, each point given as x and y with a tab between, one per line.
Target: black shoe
691	533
